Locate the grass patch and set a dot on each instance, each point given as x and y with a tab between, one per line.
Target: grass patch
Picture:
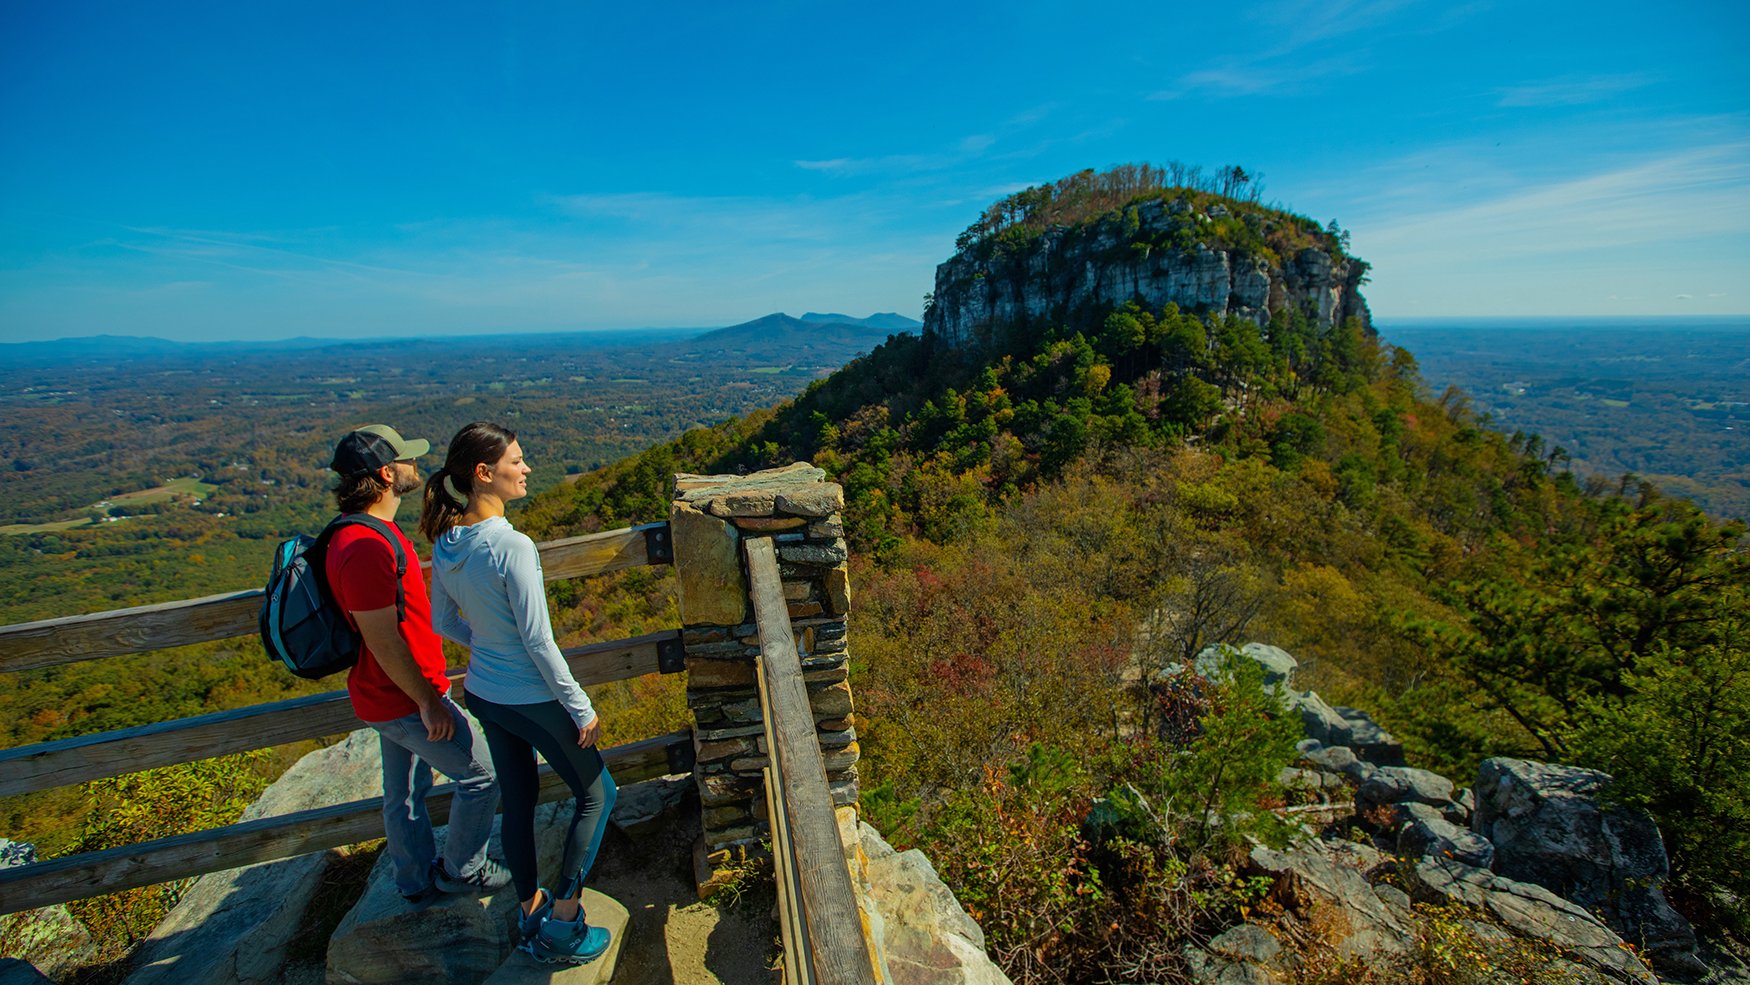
43	528
768	370
1609	402
168	491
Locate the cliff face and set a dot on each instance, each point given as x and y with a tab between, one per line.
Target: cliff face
1186	250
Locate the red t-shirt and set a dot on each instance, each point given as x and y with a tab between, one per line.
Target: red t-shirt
361	572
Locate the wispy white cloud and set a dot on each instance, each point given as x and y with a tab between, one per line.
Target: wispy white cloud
1694	193
1570	91
1254	78
1280	64
966	150
1301	23
1638	233
242	250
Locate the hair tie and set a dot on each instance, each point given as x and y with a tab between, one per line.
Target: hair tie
450	487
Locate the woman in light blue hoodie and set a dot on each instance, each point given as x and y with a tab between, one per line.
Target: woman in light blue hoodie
486	593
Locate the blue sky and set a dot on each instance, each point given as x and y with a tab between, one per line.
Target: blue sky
264	169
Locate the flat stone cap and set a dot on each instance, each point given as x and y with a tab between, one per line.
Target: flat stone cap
690	488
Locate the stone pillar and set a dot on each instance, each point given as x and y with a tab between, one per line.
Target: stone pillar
710	516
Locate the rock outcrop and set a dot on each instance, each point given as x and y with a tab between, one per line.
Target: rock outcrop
1531	912
1155	254
1533	853
461	938
49	939
234	926
1549	828
920	933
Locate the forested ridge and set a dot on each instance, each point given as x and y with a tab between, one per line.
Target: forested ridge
1030	525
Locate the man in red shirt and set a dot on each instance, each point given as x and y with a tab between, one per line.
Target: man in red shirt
398	686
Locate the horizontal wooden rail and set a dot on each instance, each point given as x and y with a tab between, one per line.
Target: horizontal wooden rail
70	639
88	757
832	940
94	873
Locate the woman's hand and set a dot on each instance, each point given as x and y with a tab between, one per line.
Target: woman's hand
586	735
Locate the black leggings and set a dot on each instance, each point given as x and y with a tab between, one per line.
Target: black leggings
515	733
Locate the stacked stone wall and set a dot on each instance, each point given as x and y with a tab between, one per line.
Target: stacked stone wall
710	516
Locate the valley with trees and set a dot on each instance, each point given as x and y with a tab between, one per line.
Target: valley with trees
1667	400
1091	498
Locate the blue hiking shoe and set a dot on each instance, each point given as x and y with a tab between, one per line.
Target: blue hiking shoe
529	924
562	942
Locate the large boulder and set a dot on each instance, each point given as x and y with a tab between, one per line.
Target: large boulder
1336	760
1550	828
1441	838
234	926
643	808
453	938
1330	873
448	938
1276	663
925	937
1529	911
49	938
1403	784
604	911
1243	955
1337	726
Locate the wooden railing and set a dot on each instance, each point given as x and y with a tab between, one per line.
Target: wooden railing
824	941
823	931
54	642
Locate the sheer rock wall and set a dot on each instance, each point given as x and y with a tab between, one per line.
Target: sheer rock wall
1102	265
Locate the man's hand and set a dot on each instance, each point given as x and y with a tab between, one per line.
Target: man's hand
382	633
586	735
439	724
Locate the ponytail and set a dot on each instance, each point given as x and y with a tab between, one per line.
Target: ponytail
442	506
448	489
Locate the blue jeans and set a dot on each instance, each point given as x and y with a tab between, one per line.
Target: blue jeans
408	759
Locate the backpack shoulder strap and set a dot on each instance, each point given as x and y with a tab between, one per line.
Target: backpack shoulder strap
383	531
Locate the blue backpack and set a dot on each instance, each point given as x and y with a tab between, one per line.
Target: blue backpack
301	624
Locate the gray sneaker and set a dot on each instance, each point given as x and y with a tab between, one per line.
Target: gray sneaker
490	877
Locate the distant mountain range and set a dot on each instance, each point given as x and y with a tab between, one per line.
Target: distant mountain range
773	332
888	320
780	334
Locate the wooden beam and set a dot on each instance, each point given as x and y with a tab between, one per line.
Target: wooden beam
596	554
828	903
185	740
70	639
95	873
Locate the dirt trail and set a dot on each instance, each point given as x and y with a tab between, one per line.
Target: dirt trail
674	939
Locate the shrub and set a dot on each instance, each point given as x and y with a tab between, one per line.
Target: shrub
157	803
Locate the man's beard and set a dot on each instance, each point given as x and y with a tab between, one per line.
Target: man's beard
405	482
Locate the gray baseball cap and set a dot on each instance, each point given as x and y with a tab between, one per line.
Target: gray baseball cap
374	446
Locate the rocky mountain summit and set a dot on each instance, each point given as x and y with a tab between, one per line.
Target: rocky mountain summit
1205	254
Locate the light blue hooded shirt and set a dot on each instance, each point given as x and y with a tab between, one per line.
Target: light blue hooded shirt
486	593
